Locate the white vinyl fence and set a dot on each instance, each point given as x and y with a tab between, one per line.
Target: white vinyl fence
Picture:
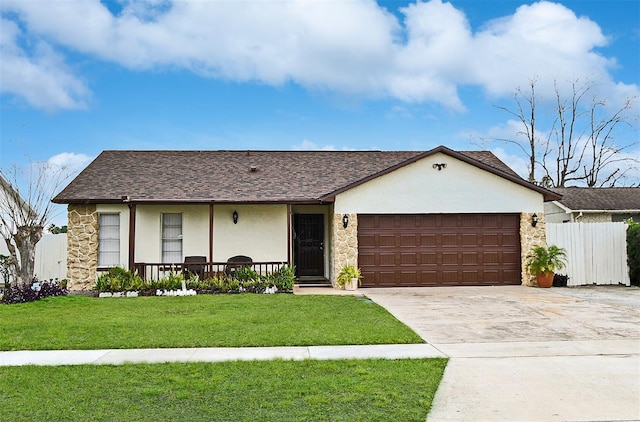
596	252
51	256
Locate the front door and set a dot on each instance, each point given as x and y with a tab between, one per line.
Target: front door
308	252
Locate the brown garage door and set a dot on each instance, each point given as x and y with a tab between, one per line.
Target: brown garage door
439	249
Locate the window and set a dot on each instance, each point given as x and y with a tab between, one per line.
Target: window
171	238
108	240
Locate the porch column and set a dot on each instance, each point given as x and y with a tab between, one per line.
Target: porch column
211	233
344	248
529	237
132	236
289	235
82	246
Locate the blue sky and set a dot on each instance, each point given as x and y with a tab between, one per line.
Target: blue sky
79	77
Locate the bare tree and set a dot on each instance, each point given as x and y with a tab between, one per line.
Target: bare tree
24	215
580	143
526	114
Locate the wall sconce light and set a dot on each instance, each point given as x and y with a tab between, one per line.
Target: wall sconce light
440	166
235	217
345	221
534	220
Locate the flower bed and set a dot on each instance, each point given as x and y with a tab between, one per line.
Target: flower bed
119	282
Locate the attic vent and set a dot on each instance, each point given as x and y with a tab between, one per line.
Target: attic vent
253	169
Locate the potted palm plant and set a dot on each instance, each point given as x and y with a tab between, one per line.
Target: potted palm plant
349	277
543	261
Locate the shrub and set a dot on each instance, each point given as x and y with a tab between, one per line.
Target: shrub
283	278
171	282
245	274
34	291
118	279
633	252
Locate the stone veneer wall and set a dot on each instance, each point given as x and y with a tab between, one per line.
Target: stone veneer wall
82	246
530	237
344	244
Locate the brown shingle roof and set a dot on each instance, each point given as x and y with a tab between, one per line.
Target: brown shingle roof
227	176
600	199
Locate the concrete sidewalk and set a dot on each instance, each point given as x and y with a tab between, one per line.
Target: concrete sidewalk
215	354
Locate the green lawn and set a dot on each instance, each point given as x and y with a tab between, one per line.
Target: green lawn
337	390
77	322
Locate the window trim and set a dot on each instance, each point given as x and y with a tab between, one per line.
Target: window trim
178	238
101	240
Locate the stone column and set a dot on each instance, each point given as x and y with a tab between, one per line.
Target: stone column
344	246
82	246
529	237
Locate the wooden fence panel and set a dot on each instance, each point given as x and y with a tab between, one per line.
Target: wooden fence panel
596	252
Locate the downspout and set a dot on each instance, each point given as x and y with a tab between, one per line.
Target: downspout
578	216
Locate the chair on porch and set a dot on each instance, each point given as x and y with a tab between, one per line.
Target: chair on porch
236	262
194	265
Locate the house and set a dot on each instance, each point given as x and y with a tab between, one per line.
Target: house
406	218
593	205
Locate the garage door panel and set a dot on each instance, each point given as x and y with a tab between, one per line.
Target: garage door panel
439	249
409	259
510	240
490	258
428	258
428	239
408	240
449	239
470	258
470	239
386	260
366	241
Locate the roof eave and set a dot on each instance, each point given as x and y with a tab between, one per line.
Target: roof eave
157	201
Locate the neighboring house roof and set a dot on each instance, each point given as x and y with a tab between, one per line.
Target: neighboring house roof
249	176
578	199
11	198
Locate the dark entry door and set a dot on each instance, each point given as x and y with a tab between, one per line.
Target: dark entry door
309	244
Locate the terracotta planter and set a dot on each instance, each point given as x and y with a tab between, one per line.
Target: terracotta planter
545	279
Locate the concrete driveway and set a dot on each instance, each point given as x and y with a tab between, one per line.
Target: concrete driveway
527	354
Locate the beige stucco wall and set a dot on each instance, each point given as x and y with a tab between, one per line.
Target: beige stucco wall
529	237
600	217
261	232
419	188
195	230
555	214
123	211
82	246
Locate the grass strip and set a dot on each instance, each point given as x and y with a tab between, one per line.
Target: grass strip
242	320
337	390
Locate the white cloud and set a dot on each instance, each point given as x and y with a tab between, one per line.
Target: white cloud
41	78
71	162
351	47
516	162
307	145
